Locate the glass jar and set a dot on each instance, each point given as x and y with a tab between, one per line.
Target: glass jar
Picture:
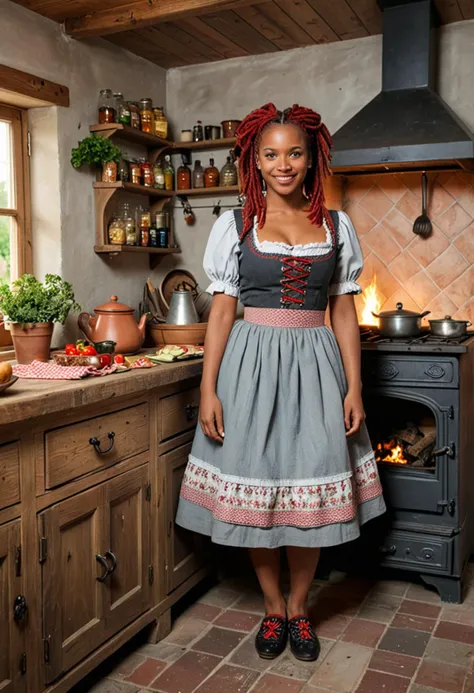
211	175
116	230
109	172
128	221
135	172
147	173
159	176
228	175
161	220
153	239
143	218
134	115
123	171
146	116
163	238
198	175
183	177
122	110
186	136
161	123
198	134
169	173
144	236
106	106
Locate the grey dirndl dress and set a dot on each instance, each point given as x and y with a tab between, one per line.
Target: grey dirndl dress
286	474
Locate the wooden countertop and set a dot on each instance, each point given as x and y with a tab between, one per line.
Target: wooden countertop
32	398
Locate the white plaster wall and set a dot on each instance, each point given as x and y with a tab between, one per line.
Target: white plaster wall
335	79
63	210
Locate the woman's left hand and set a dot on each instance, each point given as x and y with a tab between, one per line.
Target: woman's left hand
354	413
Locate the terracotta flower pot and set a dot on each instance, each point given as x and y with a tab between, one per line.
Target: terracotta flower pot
5	336
32	342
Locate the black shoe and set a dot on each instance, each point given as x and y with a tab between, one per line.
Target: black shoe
272	635
304	642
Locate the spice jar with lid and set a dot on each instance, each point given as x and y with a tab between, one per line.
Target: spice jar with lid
106	106
158	176
146	116
161	123
134	115
198	175
228	175
183	175
186	136
147	173
122	110
211	175
128	224
144	236
123	171
135	172
143	217
117	231
198	134
109	172
169	173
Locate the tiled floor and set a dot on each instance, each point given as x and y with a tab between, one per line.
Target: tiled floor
382	637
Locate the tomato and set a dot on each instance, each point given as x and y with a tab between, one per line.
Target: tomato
119	359
105	360
89	351
71	350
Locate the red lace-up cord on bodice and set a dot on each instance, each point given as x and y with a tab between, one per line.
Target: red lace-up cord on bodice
271	628
296	271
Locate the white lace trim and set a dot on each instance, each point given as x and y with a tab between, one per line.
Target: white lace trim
219	287
344	288
306	250
314	481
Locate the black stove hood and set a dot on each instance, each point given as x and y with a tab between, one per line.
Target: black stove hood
407	126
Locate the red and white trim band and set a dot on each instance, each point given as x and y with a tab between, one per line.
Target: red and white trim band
284	317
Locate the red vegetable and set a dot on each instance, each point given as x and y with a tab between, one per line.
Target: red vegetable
71	350
119	359
89	351
105	360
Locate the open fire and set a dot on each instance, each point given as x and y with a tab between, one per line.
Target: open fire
391	452
372	304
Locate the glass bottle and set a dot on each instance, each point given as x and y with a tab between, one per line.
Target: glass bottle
106	106
183	176
159	176
109	172
143	218
198	134
123	171
228	174
134	115
161	123
129	224
117	231
122	109
135	172
211	175
169	173
147	173
198	175
146	116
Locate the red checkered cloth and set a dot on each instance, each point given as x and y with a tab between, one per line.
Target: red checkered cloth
51	371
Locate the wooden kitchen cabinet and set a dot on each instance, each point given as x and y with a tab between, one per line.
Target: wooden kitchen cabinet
185	550
12	628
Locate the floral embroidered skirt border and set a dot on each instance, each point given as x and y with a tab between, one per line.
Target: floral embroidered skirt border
286	475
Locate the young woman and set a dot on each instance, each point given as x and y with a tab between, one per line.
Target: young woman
282	457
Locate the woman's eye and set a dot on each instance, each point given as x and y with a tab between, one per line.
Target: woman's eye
296	154
269	156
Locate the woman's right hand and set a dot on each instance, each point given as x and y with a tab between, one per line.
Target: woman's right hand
211	417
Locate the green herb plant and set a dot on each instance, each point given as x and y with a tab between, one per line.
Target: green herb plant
95	150
30	301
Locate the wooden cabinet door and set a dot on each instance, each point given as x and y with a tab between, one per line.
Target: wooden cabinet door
185	550
11	632
73	597
129	548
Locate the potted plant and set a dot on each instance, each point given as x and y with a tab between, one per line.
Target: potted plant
98	151
31	308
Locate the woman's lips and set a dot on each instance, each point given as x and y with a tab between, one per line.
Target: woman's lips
285	180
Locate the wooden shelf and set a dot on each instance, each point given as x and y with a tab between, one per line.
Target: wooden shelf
134	188
155	254
224	143
200	192
129	134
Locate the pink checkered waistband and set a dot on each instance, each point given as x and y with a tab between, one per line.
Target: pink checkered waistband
284	317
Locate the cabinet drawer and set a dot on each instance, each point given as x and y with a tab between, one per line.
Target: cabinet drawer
70	452
404	370
9	474
416	552
179	413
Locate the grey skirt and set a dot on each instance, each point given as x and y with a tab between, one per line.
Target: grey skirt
286	475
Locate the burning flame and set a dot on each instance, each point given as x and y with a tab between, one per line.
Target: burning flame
390	452
372	303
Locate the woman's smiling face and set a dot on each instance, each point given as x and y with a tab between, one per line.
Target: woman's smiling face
283	158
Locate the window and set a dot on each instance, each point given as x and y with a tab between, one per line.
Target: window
15	240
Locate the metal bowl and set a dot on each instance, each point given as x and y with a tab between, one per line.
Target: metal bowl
448	328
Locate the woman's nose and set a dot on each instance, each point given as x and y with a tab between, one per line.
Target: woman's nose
284	165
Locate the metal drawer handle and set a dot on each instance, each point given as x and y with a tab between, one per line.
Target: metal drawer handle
95	442
103	562
191	411
388	550
111	557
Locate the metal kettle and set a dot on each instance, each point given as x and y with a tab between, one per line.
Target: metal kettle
182	310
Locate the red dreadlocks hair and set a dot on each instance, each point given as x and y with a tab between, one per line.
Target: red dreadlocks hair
320	142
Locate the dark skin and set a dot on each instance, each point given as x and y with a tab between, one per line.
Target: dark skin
283	159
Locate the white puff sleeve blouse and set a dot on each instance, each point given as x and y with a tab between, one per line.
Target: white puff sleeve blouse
221	259
350	261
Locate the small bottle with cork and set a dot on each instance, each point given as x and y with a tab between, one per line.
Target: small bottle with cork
211	175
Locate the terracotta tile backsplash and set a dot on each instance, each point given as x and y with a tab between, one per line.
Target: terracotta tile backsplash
434	274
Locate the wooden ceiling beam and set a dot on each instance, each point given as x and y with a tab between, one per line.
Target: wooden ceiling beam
143	13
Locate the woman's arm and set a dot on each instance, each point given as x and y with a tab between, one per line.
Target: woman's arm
346	328
220	323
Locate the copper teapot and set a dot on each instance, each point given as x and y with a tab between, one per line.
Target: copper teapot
114	321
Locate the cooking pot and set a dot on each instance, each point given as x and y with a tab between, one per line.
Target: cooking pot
449	328
399	323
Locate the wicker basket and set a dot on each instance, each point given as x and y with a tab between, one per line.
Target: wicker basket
178	334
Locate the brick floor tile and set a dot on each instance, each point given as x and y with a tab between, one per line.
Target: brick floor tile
458	613
469	683
415	688
204	612
455	631
186	674
395	588
270	683
251	602
237	620
219	641
393	663
370	612
184	631
246	655
385	601
343	667
362	632
221	597
146	672
446	677
109	686
163	650
404	641
377	681
450	651
421	593
229	678
413	622
333	628
287	665
409	606
126	666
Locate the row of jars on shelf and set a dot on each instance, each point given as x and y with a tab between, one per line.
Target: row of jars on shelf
162	175
141	228
140	115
